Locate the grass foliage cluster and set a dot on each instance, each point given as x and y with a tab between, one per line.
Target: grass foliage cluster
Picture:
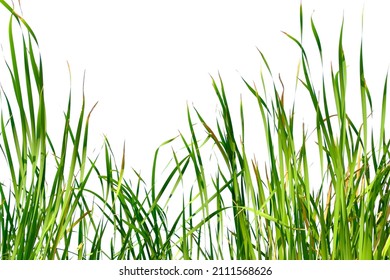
245	210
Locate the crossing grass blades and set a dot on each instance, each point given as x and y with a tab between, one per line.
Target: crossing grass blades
243	210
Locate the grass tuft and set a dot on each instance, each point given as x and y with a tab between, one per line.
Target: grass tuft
218	205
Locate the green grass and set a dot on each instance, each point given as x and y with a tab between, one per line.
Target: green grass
210	201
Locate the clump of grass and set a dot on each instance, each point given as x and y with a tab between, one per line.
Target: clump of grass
241	211
277	214
39	214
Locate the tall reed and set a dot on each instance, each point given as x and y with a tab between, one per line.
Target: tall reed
205	205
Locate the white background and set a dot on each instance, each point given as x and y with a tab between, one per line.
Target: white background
146	60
